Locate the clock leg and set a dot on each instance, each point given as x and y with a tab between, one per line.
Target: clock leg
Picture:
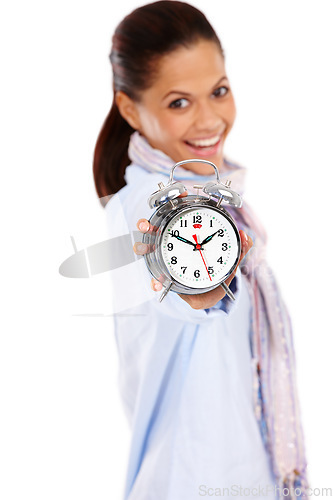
227	291
165	291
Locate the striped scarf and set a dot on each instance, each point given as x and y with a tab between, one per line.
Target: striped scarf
275	396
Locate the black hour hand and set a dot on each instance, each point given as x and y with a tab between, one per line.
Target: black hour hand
180	238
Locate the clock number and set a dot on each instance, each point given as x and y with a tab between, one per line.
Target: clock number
184	269
173	260
219	260
211	223
197	273
197	219
175	233
221	232
224	246
210	270
183	223
170	246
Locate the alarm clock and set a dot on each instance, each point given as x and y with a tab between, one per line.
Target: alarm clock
194	245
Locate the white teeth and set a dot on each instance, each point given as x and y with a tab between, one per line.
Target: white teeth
205	142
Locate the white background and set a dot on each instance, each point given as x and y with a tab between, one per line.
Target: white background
63	431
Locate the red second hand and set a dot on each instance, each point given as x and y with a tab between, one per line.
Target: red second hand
198	247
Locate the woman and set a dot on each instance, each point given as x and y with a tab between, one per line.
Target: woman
208	385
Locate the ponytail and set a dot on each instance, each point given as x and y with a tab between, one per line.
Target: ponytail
111	154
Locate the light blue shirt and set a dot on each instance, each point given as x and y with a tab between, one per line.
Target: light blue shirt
185	379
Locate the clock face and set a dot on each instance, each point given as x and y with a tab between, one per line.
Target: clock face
200	247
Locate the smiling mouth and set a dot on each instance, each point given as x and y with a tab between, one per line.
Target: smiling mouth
205	143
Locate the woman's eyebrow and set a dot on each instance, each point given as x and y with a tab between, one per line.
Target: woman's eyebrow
175	92
187	93
220	80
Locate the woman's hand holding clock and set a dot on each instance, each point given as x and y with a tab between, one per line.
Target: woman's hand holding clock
201	300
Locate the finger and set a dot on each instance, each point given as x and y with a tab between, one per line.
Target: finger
185	193
143	225
141	248
247	244
156	285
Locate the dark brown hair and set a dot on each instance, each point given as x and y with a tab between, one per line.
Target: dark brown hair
140	40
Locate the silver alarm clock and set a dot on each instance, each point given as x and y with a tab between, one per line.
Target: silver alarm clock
195	244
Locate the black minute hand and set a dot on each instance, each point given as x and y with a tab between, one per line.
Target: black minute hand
206	240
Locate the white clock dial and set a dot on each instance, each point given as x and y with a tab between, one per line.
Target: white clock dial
200	247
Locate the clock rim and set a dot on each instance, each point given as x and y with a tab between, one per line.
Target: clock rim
176	211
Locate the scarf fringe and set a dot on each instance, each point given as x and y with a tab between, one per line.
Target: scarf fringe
294	487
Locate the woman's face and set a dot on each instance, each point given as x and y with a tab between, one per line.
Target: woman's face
189	109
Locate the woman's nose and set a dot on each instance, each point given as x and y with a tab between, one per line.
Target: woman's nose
207	117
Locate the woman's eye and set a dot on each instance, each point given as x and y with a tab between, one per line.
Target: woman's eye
221	91
179	103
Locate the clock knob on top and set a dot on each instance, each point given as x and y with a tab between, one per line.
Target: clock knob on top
223	193
165	194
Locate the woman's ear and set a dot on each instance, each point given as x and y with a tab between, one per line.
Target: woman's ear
127	109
